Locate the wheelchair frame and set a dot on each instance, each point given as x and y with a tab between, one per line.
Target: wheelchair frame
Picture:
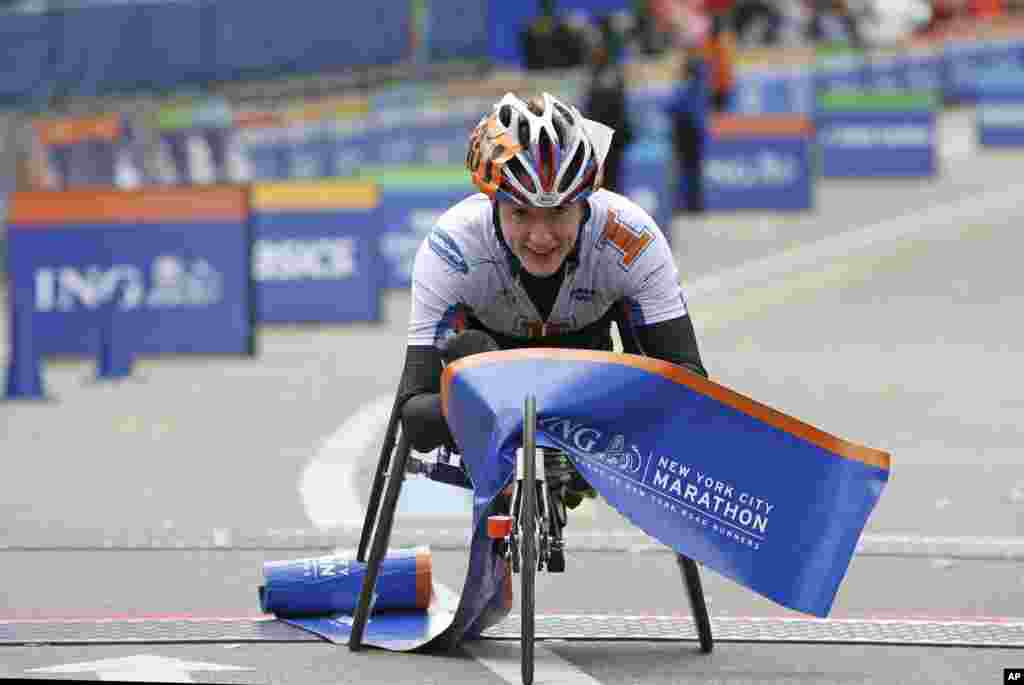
392	466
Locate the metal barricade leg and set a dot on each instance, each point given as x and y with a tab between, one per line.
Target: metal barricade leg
695	592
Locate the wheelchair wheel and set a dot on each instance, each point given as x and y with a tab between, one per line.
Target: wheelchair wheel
528	542
379	547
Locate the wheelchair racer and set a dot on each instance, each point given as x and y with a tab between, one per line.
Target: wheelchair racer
540	257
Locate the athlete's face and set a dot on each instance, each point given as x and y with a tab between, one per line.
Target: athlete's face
541	237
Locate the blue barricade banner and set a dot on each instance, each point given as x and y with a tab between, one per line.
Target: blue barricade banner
407	214
758	163
260	145
777	92
968	61
27	73
649	184
841	68
87	151
925	70
315	251
648	173
1000	110
170	267
877	134
195	138
756	495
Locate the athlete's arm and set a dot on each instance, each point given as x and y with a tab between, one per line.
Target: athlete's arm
654	312
419	396
435	298
672	341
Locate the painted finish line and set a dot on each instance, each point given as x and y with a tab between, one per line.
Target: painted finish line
968	548
989	633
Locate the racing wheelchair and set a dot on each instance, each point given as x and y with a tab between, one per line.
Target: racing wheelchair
528	536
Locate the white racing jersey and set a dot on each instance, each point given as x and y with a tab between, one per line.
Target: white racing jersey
462	269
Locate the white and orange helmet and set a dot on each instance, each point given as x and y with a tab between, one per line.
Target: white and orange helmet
539	153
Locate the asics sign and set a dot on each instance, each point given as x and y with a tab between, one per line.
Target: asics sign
314	253
292	260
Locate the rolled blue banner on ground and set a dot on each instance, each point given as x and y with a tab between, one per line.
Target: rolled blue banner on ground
24	375
320	595
758	496
396	630
330	584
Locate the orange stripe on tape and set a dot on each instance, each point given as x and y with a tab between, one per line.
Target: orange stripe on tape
104	206
677	374
424	586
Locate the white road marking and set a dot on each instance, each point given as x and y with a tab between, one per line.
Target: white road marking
503	659
142	668
328	483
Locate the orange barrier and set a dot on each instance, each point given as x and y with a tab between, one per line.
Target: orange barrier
70	130
774	126
107	206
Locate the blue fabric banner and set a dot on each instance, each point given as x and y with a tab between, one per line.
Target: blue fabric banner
320	595
295	588
758	496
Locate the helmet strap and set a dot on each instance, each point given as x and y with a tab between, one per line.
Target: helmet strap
514	264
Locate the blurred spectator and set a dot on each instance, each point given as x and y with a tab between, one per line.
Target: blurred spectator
606	99
688	112
718	50
651	33
757	22
554	42
766	23
985	9
888	22
685	20
832	22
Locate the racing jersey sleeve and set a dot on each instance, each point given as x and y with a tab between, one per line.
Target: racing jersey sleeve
437	312
650	287
436	300
654	307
